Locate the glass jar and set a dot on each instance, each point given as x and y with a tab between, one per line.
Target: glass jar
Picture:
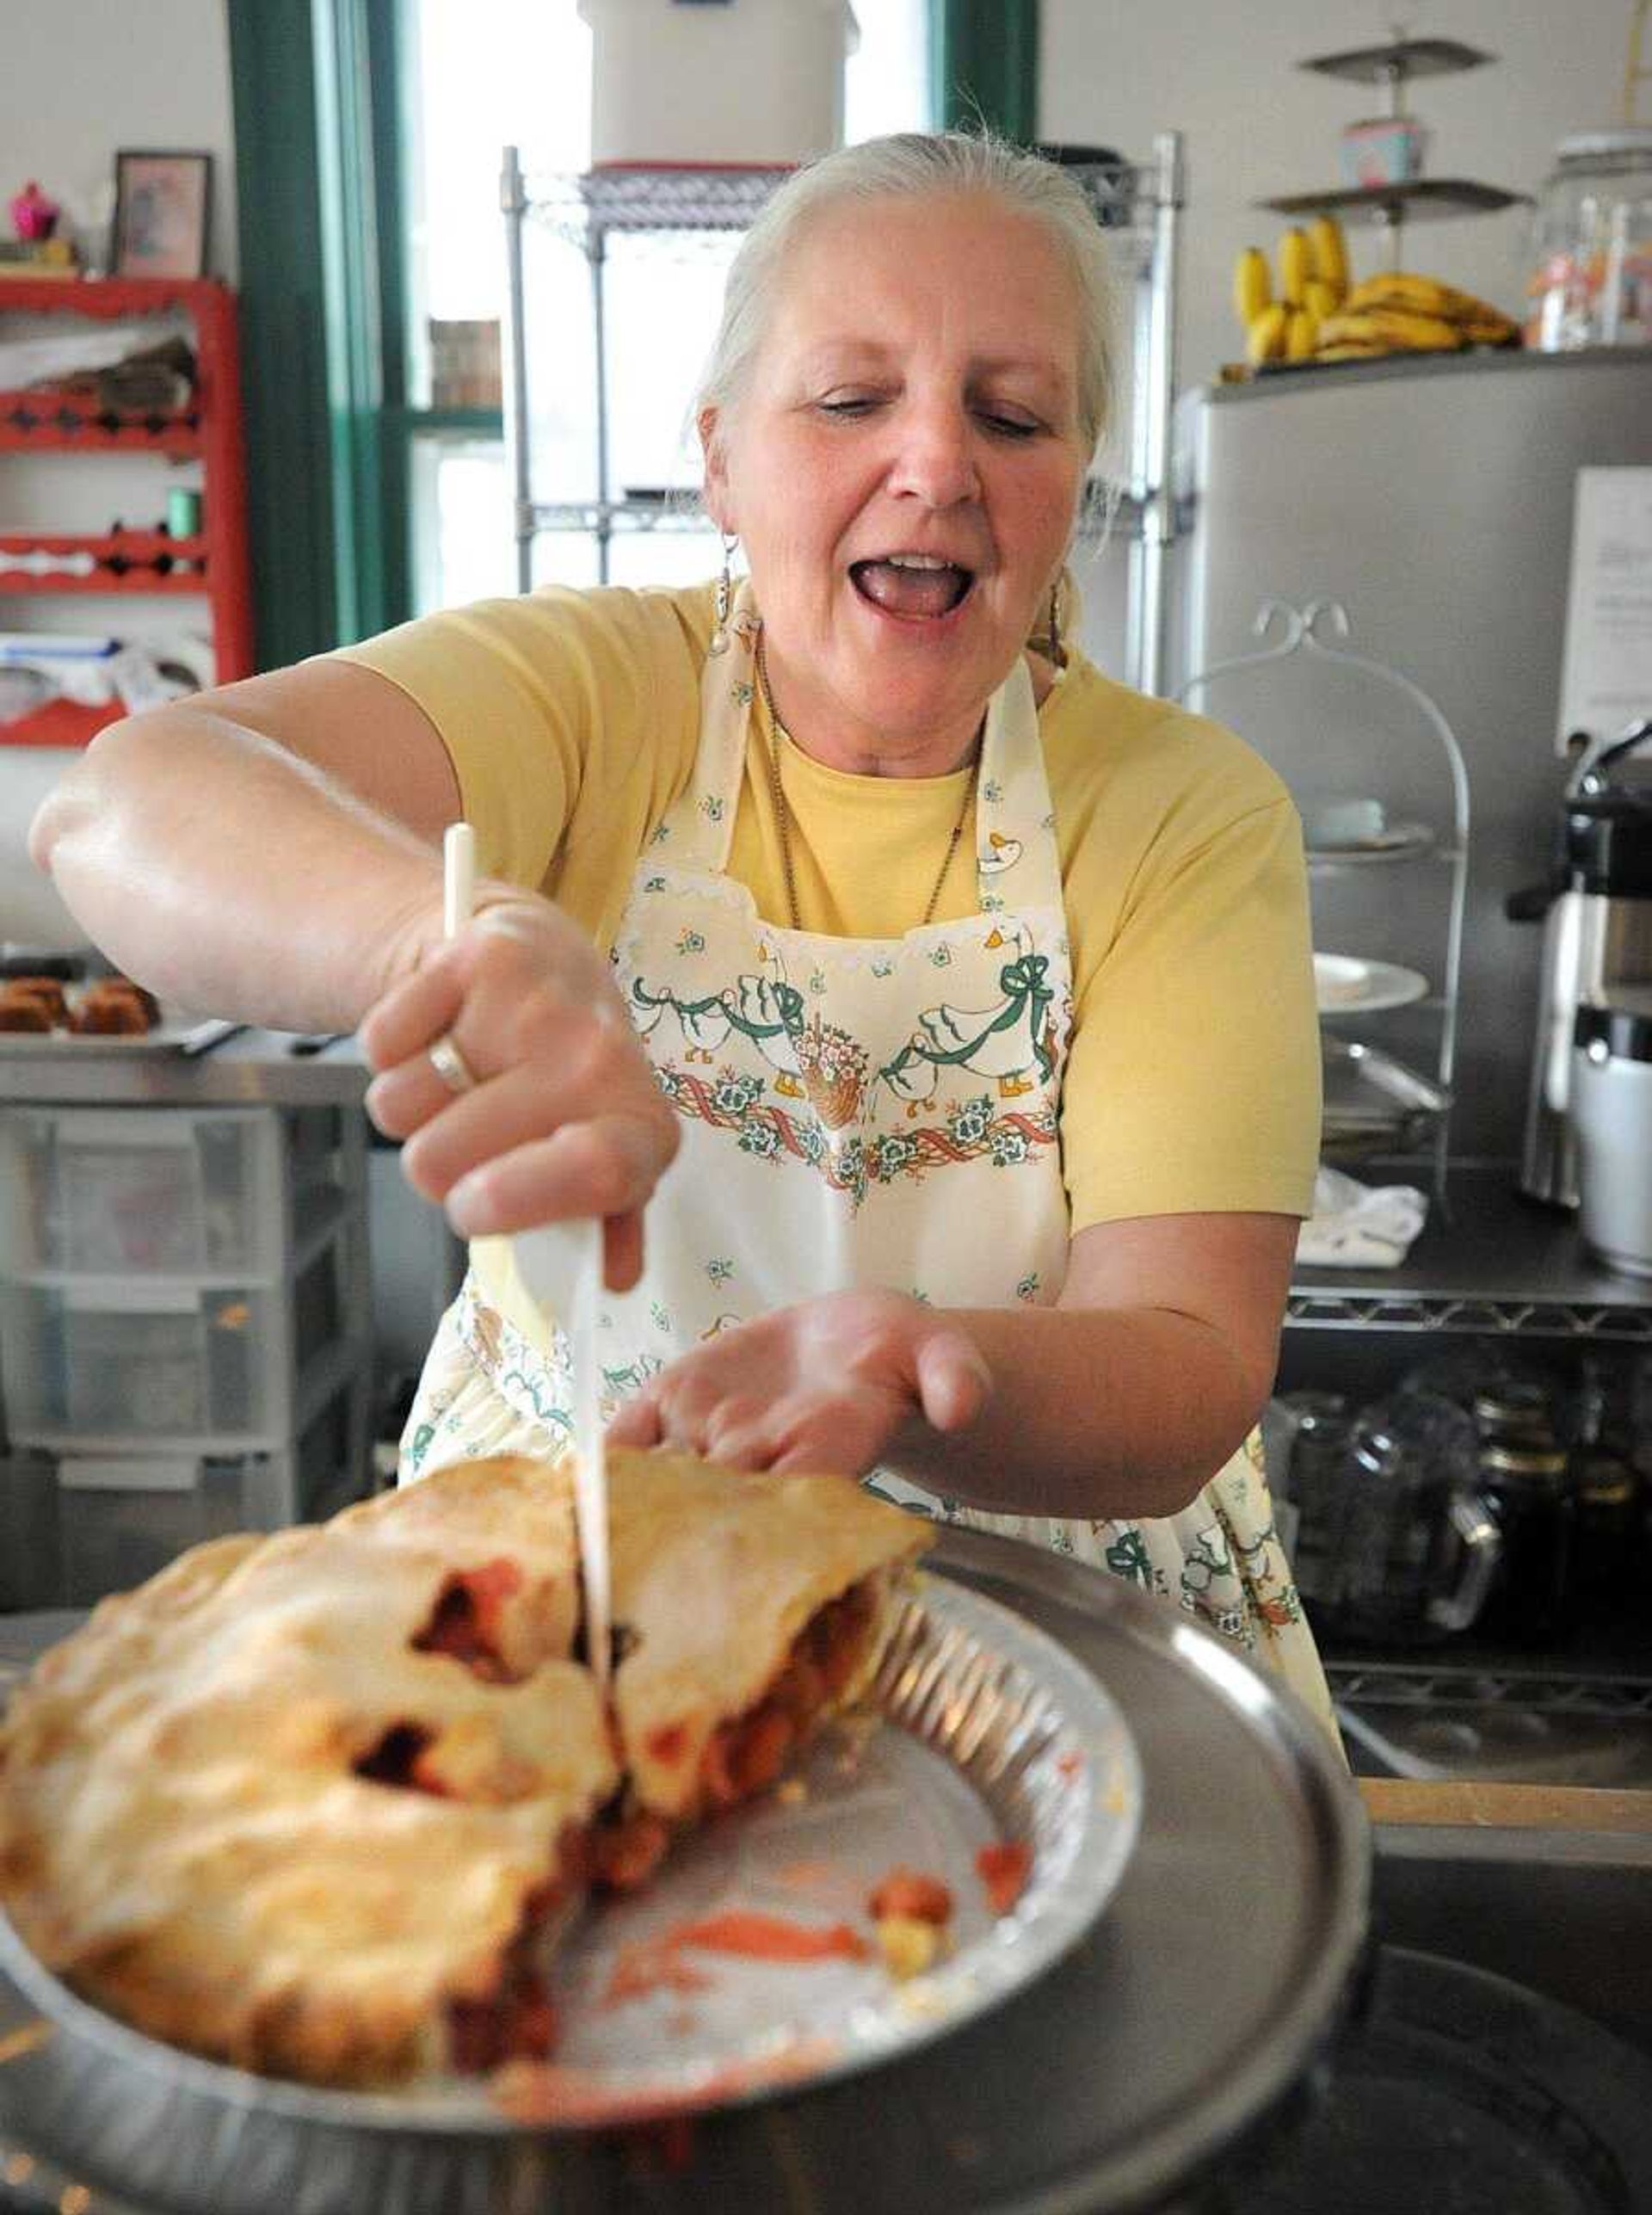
1462	1372
1529	1492
1311	1487
1591	274
1516	1411
1605	1556
1419	1548
1608	1539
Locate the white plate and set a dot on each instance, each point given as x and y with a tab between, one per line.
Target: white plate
1344	985
991	1732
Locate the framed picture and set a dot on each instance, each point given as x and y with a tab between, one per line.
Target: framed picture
163	205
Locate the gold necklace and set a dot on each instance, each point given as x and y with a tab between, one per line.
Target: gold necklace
783	813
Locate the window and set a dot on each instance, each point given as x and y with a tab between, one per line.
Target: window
462	104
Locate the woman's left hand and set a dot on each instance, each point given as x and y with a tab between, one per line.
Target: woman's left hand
826	1384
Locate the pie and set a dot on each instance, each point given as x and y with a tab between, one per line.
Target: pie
313	1803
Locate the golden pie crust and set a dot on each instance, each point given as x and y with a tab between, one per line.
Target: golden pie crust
300	1802
716	1573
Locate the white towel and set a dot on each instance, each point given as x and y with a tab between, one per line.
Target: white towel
1356	1225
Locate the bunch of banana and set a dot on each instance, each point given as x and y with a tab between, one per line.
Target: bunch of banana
1313	282
1404	313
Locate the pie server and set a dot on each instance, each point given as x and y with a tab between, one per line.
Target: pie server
560	1264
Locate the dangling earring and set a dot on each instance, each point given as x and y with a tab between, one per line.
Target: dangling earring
1057	652
719	642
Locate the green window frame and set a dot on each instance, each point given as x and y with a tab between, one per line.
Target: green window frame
318	99
987	65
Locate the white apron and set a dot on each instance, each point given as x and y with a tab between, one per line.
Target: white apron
856	1111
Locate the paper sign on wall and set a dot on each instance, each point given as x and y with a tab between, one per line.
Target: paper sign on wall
1606	674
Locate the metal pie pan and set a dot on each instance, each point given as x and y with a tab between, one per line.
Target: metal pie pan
998	1735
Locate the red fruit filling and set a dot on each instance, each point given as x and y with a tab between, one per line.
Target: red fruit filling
745	1754
398	1760
465	1623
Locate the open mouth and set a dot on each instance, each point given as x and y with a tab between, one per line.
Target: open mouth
912	584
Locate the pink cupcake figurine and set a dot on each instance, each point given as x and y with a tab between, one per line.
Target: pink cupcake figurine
33	215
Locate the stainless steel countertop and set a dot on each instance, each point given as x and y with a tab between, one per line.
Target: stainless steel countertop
1495	1246
253	1069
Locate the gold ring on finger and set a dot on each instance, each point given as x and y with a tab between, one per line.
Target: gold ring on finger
451	1065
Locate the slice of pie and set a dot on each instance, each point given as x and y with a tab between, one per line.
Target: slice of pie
749	1607
309	1802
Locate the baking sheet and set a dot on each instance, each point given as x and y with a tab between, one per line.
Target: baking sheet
991	1732
169	1035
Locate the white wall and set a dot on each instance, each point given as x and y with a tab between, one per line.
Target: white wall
79	79
1112	72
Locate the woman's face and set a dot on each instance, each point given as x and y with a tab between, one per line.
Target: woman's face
903	471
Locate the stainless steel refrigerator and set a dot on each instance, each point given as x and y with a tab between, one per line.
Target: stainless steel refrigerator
1434	499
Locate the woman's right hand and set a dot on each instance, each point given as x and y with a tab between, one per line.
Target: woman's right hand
566	1120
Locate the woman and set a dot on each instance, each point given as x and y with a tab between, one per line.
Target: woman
970	991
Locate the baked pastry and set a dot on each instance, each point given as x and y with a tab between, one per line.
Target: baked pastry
43	992
115	1007
309	1802
468	1516
749	1607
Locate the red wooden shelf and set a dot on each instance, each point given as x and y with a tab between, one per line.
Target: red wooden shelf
25	584
59	722
44	419
108	297
209	430
120	545
124	561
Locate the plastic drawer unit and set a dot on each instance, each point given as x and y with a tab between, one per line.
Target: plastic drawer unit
140	1193
184	1320
73	1531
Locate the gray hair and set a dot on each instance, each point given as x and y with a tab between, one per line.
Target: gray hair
913	164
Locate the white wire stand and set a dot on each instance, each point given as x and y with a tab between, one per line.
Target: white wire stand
1155	194
1317	629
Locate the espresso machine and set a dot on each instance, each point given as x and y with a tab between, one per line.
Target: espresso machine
1596	910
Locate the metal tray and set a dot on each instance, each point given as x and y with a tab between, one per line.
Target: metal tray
1374	1104
168	1035
1183	2016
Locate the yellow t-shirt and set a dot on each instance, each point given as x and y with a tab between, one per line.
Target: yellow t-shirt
1193	1077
